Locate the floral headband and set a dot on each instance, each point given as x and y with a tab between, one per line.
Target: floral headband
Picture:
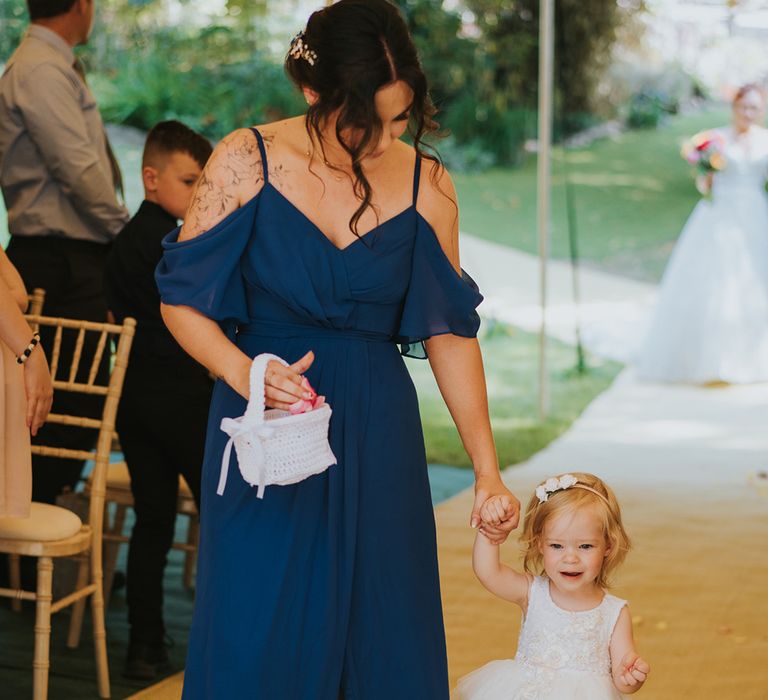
300	49
566	481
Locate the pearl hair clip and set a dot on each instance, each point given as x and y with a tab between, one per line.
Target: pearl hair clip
300	49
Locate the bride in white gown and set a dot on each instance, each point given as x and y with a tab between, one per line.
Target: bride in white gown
711	320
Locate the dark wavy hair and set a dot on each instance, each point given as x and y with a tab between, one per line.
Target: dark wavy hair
360	46
168	137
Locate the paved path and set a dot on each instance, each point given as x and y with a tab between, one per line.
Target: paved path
613	310
685	465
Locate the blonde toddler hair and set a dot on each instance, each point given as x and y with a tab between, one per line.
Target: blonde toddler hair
569	500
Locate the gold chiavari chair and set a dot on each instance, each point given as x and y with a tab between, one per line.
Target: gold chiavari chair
36	301
51	531
119	492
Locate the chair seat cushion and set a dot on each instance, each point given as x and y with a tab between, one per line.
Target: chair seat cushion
45	523
118	476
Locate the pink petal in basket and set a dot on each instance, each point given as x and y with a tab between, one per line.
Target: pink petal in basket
304	405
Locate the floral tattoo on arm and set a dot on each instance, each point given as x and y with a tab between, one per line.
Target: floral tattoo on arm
233	172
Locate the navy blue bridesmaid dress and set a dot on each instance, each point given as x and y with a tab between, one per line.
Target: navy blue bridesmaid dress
327	588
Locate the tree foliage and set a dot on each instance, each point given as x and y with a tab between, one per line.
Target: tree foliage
585	33
491	99
152	60
13	21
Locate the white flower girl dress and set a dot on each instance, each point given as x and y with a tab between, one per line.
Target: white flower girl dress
561	655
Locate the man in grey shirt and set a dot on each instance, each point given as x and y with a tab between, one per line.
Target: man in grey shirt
59	186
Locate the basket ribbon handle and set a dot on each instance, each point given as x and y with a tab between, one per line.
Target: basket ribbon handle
252	422
254	412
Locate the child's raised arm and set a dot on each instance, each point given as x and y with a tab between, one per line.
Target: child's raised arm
629	671
499	579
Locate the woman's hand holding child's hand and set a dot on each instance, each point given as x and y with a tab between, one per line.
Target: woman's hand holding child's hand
496	511
634	669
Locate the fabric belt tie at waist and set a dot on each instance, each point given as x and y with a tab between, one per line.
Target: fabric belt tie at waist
274	329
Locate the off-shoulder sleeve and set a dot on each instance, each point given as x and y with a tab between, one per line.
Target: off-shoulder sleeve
204	272
439	300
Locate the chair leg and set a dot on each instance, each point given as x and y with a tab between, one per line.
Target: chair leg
99	630
14	577
78	609
190	558
111	550
42	662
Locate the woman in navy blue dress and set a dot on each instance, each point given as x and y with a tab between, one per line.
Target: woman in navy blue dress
327	241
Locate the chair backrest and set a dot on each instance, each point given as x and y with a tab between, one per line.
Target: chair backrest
94	338
36	301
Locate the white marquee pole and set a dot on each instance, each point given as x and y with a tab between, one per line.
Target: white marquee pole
546	66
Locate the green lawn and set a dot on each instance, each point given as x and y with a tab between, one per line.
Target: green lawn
633	194
511	368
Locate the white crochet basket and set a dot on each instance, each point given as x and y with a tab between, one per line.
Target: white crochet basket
274	447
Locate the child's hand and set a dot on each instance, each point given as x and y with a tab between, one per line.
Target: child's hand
634	670
496	510
495	515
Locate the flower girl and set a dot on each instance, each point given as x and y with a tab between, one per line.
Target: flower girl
576	639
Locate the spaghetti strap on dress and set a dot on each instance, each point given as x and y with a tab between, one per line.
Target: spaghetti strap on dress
330	584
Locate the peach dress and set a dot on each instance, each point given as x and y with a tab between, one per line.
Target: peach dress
15	456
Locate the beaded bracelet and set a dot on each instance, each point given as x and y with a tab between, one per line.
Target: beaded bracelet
21	359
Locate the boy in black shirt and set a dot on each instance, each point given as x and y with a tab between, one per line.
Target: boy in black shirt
164	406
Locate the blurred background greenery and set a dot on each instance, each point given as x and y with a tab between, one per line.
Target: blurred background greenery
218	65
623	103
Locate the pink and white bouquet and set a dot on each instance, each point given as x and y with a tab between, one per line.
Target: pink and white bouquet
705	151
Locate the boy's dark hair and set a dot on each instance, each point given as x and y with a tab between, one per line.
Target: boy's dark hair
172	136
43	9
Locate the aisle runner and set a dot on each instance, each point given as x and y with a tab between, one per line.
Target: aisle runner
685	464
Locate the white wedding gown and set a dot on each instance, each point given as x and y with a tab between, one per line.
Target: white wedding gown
711	318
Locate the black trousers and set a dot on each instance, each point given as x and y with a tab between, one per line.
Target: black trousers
71	273
162	433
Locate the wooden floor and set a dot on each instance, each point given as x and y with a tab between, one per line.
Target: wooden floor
73	672
169	689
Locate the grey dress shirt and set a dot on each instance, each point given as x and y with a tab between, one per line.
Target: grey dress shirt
55	174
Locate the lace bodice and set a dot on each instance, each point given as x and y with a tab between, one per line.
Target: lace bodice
746	158
555	639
